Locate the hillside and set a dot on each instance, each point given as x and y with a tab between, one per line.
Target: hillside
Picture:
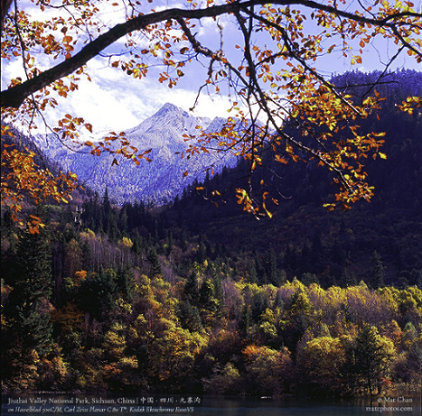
305	238
196	299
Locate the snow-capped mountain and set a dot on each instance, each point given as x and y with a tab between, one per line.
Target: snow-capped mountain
158	181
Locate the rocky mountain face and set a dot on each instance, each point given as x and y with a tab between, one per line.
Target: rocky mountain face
158	181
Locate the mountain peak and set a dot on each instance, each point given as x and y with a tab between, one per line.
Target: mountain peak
169	108
161	179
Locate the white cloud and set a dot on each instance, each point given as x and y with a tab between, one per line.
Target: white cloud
119	104
207	106
168	5
11	70
115	101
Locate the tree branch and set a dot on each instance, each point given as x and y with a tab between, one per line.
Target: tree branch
14	96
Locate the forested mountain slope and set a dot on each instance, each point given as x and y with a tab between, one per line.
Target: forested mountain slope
198	299
304	237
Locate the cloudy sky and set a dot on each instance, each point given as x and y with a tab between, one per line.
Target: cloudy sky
115	101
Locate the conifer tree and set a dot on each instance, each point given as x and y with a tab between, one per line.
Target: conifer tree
252	271
246	320
378	270
373	354
191	289
155	263
32	290
207	295
98	292
189	316
127	283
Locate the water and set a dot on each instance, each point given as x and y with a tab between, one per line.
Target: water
409	406
81	405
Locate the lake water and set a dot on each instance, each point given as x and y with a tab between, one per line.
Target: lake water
81	405
407	406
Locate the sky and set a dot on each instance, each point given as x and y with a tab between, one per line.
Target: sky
115	101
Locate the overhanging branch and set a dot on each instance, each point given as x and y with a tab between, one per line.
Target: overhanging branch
14	96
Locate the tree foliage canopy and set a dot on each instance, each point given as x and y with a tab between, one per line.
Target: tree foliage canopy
85	310
272	73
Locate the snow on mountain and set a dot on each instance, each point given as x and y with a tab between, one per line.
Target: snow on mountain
158	181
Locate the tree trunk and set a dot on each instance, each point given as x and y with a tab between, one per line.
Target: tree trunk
5	6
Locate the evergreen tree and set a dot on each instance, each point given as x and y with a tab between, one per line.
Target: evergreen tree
316	253
87	263
113	228
207	298
272	268
138	245
378	270
107	211
245	321
299	311
170	243
32	290
96	213
219	295
190	317
183	240
201	254
191	289
126	283
260	303
123	218
97	293
252	271
373	353
348	278
154	261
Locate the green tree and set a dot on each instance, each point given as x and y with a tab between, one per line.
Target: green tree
374	354
26	325
28	302
245	322
208	303
154	262
126	283
322	360
253	277
378	270
166	352
225	380
97	293
268	371
298	313
191	289
189	316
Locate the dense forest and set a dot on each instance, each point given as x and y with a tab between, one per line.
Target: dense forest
304	239
199	297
